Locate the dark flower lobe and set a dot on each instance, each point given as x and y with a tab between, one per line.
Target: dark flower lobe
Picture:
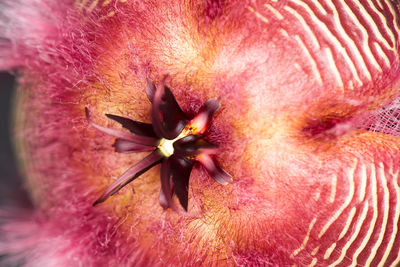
125	146
131	174
202	120
193	145
180	171
143	140
167	117
166	192
135	127
214	170
177	156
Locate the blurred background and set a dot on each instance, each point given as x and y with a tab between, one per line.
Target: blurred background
12	192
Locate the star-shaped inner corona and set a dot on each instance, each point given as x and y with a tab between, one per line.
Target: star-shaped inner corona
176	142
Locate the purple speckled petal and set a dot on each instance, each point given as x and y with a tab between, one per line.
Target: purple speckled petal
130	175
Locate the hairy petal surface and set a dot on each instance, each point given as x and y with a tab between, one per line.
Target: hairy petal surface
306	130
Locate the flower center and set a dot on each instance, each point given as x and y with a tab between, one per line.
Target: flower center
166	146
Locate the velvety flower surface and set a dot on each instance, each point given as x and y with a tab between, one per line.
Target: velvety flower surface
176	141
308	127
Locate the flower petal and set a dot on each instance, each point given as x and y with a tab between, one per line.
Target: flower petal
125	146
165	197
201	121
214	170
193	145
180	170
144	140
131	174
135	127
167	117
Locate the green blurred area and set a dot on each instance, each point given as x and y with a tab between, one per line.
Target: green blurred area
12	192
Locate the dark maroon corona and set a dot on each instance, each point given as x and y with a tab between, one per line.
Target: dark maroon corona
176	141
